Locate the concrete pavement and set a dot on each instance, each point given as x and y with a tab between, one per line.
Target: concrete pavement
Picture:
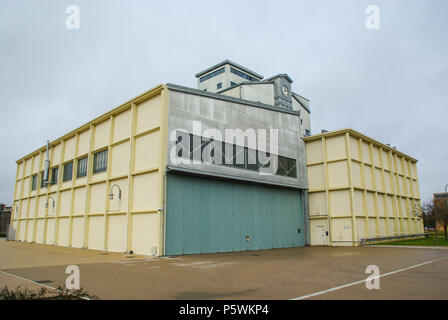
270	274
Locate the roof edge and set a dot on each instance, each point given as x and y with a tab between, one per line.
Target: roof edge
359	135
227	61
218	96
295	96
147	94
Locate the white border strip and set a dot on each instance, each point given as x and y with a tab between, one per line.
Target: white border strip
361	281
39	284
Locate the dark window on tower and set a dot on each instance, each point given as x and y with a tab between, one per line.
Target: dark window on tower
219	86
67	175
211	75
242	74
100	161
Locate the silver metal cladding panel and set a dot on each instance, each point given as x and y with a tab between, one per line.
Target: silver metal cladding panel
185	108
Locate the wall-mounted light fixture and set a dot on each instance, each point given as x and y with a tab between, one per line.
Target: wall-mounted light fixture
111	194
46	205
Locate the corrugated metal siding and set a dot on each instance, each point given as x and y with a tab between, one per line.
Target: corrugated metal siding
206	215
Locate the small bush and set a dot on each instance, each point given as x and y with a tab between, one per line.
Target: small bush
2	235
60	293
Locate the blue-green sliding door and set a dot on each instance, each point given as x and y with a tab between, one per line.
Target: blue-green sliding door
204	215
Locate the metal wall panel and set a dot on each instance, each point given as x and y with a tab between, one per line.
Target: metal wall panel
206	215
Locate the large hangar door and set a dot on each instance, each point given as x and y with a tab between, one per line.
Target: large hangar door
205	215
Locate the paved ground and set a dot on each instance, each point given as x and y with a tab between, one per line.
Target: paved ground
306	273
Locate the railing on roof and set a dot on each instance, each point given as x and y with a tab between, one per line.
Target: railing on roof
365	240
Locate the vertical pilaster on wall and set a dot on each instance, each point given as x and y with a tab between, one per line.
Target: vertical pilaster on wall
36	206
16	209
383	181
29	200
13	212
130	177
364	187
72	199
22	187
375	188
397	196
350	183
327	192
58	202
108	176
163	150
88	181
44	240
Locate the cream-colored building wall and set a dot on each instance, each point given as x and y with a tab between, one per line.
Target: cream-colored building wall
83	215
360	188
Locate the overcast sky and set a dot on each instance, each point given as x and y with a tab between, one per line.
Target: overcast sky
390	84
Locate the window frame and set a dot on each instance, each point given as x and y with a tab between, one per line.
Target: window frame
54	181
84	172
34	182
97	168
65	178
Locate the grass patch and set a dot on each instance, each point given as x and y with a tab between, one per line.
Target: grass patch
429	241
61	293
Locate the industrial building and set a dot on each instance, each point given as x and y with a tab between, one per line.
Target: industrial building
229	166
359	189
175	171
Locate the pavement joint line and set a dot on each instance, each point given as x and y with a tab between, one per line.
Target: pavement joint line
39	284
364	280
410	247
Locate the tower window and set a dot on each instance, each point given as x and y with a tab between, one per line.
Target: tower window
219	85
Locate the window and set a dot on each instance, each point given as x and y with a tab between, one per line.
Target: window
286	167
232	84
81	170
210	151
242	74
54	175
213	74
100	161
195	148
239	160
219	85
68	172
34	182
251	156
307	132
183	145
42	181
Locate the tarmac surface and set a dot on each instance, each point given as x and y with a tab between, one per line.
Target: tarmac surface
295	273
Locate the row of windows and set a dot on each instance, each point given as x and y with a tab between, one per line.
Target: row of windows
219	85
213	74
242	74
99	165
192	147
